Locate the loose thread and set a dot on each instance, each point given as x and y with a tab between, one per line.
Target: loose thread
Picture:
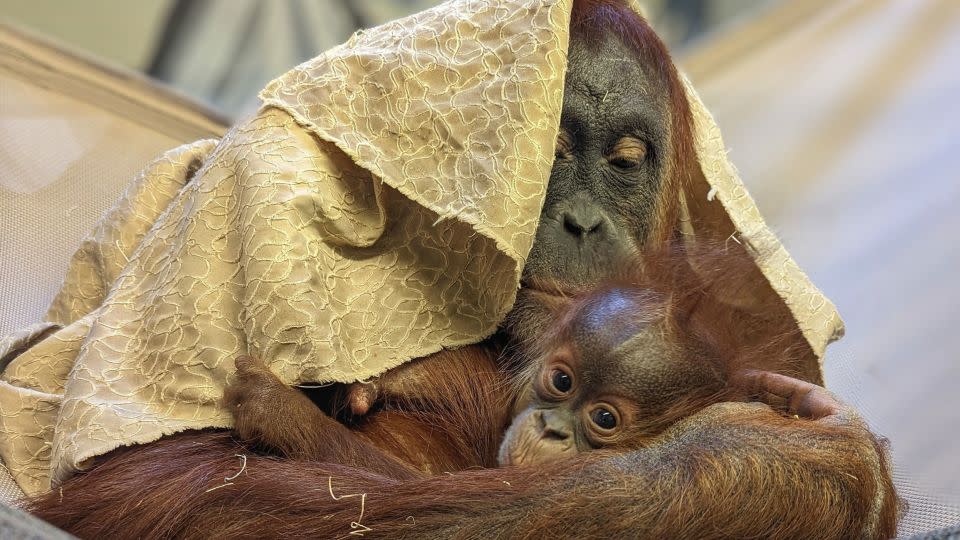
120	250
315	386
242	468
726	243
218	487
360	527
227	480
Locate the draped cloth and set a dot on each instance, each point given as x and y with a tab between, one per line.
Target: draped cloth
378	208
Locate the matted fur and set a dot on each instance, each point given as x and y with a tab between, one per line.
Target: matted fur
707	469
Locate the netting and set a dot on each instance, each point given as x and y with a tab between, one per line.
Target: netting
72	136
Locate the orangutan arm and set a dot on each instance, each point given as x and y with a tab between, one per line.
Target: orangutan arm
731	471
271	415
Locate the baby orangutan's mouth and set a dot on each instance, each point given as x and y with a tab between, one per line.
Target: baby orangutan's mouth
524	443
534	452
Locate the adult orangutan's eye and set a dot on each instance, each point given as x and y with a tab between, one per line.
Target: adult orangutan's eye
561	381
604	418
624	164
628	153
564	145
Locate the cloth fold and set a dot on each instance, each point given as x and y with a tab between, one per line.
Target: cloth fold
378	208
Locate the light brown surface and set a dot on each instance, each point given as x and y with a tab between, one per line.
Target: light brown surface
845	129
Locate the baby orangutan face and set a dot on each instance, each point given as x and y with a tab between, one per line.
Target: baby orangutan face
612	374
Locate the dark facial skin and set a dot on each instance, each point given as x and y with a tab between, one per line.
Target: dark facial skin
610	162
618	365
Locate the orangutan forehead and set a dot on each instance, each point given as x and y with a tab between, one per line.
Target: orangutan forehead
608	63
608	321
610	90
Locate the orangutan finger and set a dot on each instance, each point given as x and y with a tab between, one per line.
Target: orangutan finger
803	398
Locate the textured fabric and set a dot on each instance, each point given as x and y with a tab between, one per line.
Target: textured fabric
946	533
378	208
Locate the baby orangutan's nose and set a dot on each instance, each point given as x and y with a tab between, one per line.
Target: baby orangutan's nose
555	426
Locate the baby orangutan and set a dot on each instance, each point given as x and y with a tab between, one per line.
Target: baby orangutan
611	368
652	373
614	372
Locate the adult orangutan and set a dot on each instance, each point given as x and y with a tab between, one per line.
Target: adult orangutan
731	470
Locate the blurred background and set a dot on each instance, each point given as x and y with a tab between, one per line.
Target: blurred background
840	114
222	52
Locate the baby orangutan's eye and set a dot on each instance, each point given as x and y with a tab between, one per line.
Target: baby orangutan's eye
561	381
604	418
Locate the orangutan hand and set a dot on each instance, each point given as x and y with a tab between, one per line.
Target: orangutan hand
800	398
256	396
